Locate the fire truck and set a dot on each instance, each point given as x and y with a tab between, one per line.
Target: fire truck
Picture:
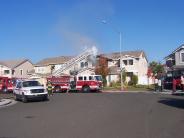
6	84
82	83
173	74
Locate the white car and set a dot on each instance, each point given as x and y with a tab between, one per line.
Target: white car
29	89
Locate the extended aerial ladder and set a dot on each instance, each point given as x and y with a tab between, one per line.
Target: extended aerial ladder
73	61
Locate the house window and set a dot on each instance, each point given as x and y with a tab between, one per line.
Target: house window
6	72
13	72
82	64
131	62
125	62
86	64
21	72
182	57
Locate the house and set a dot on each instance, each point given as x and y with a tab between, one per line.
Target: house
16	68
47	65
133	62
175	60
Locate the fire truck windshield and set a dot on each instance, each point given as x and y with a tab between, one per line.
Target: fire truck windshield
98	78
31	83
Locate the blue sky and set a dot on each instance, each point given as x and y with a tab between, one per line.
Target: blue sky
38	29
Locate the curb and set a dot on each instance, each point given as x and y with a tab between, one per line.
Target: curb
127	91
4	102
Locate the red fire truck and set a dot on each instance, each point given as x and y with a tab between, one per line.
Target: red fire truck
83	83
6	84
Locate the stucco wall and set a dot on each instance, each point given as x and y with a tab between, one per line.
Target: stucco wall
25	67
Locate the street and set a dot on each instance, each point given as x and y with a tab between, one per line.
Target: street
96	115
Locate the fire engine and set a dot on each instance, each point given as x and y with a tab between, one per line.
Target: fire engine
6	84
83	83
76	82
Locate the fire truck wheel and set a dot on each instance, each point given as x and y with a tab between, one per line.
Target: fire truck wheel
57	89
16	97
86	89
24	99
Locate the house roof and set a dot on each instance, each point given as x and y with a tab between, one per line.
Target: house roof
54	60
13	63
116	55
177	49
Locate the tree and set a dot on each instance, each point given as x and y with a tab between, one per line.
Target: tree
102	68
156	68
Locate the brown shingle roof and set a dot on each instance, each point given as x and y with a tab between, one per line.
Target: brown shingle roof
13	63
116	55
54	60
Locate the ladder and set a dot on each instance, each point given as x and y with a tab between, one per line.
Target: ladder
77	59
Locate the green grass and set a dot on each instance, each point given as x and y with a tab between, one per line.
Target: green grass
131	88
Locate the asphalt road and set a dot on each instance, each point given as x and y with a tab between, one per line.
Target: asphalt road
96	115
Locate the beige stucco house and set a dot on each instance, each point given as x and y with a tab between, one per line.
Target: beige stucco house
133	62
47	65
16	68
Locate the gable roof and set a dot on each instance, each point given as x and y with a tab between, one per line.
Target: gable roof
177	49
13	63
116	55
54	60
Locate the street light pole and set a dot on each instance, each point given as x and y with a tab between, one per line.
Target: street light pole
120	52
120	45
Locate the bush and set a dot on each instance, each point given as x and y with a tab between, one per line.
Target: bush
130	83
115	84
104	81
134	79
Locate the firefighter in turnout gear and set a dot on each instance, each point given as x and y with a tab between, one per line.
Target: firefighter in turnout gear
49	88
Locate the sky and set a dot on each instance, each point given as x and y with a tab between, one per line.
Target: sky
38	29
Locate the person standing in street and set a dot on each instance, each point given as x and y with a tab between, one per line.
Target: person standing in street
49	88
174	85
160	85
156	83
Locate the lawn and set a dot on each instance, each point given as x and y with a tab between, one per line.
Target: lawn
131	88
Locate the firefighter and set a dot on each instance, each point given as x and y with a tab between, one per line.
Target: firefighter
156	83
49	88
174	85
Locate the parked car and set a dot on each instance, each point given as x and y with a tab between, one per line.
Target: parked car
30	89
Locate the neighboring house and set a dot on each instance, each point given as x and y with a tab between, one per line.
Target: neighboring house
175	60
46	66
15	68
133	62
49	65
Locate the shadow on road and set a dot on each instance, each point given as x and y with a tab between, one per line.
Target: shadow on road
174	102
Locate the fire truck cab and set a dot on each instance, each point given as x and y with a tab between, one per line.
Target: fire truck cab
6	84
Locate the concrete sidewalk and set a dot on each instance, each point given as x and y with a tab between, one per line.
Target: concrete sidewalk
4	102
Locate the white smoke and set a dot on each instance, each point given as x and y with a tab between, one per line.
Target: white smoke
92	57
